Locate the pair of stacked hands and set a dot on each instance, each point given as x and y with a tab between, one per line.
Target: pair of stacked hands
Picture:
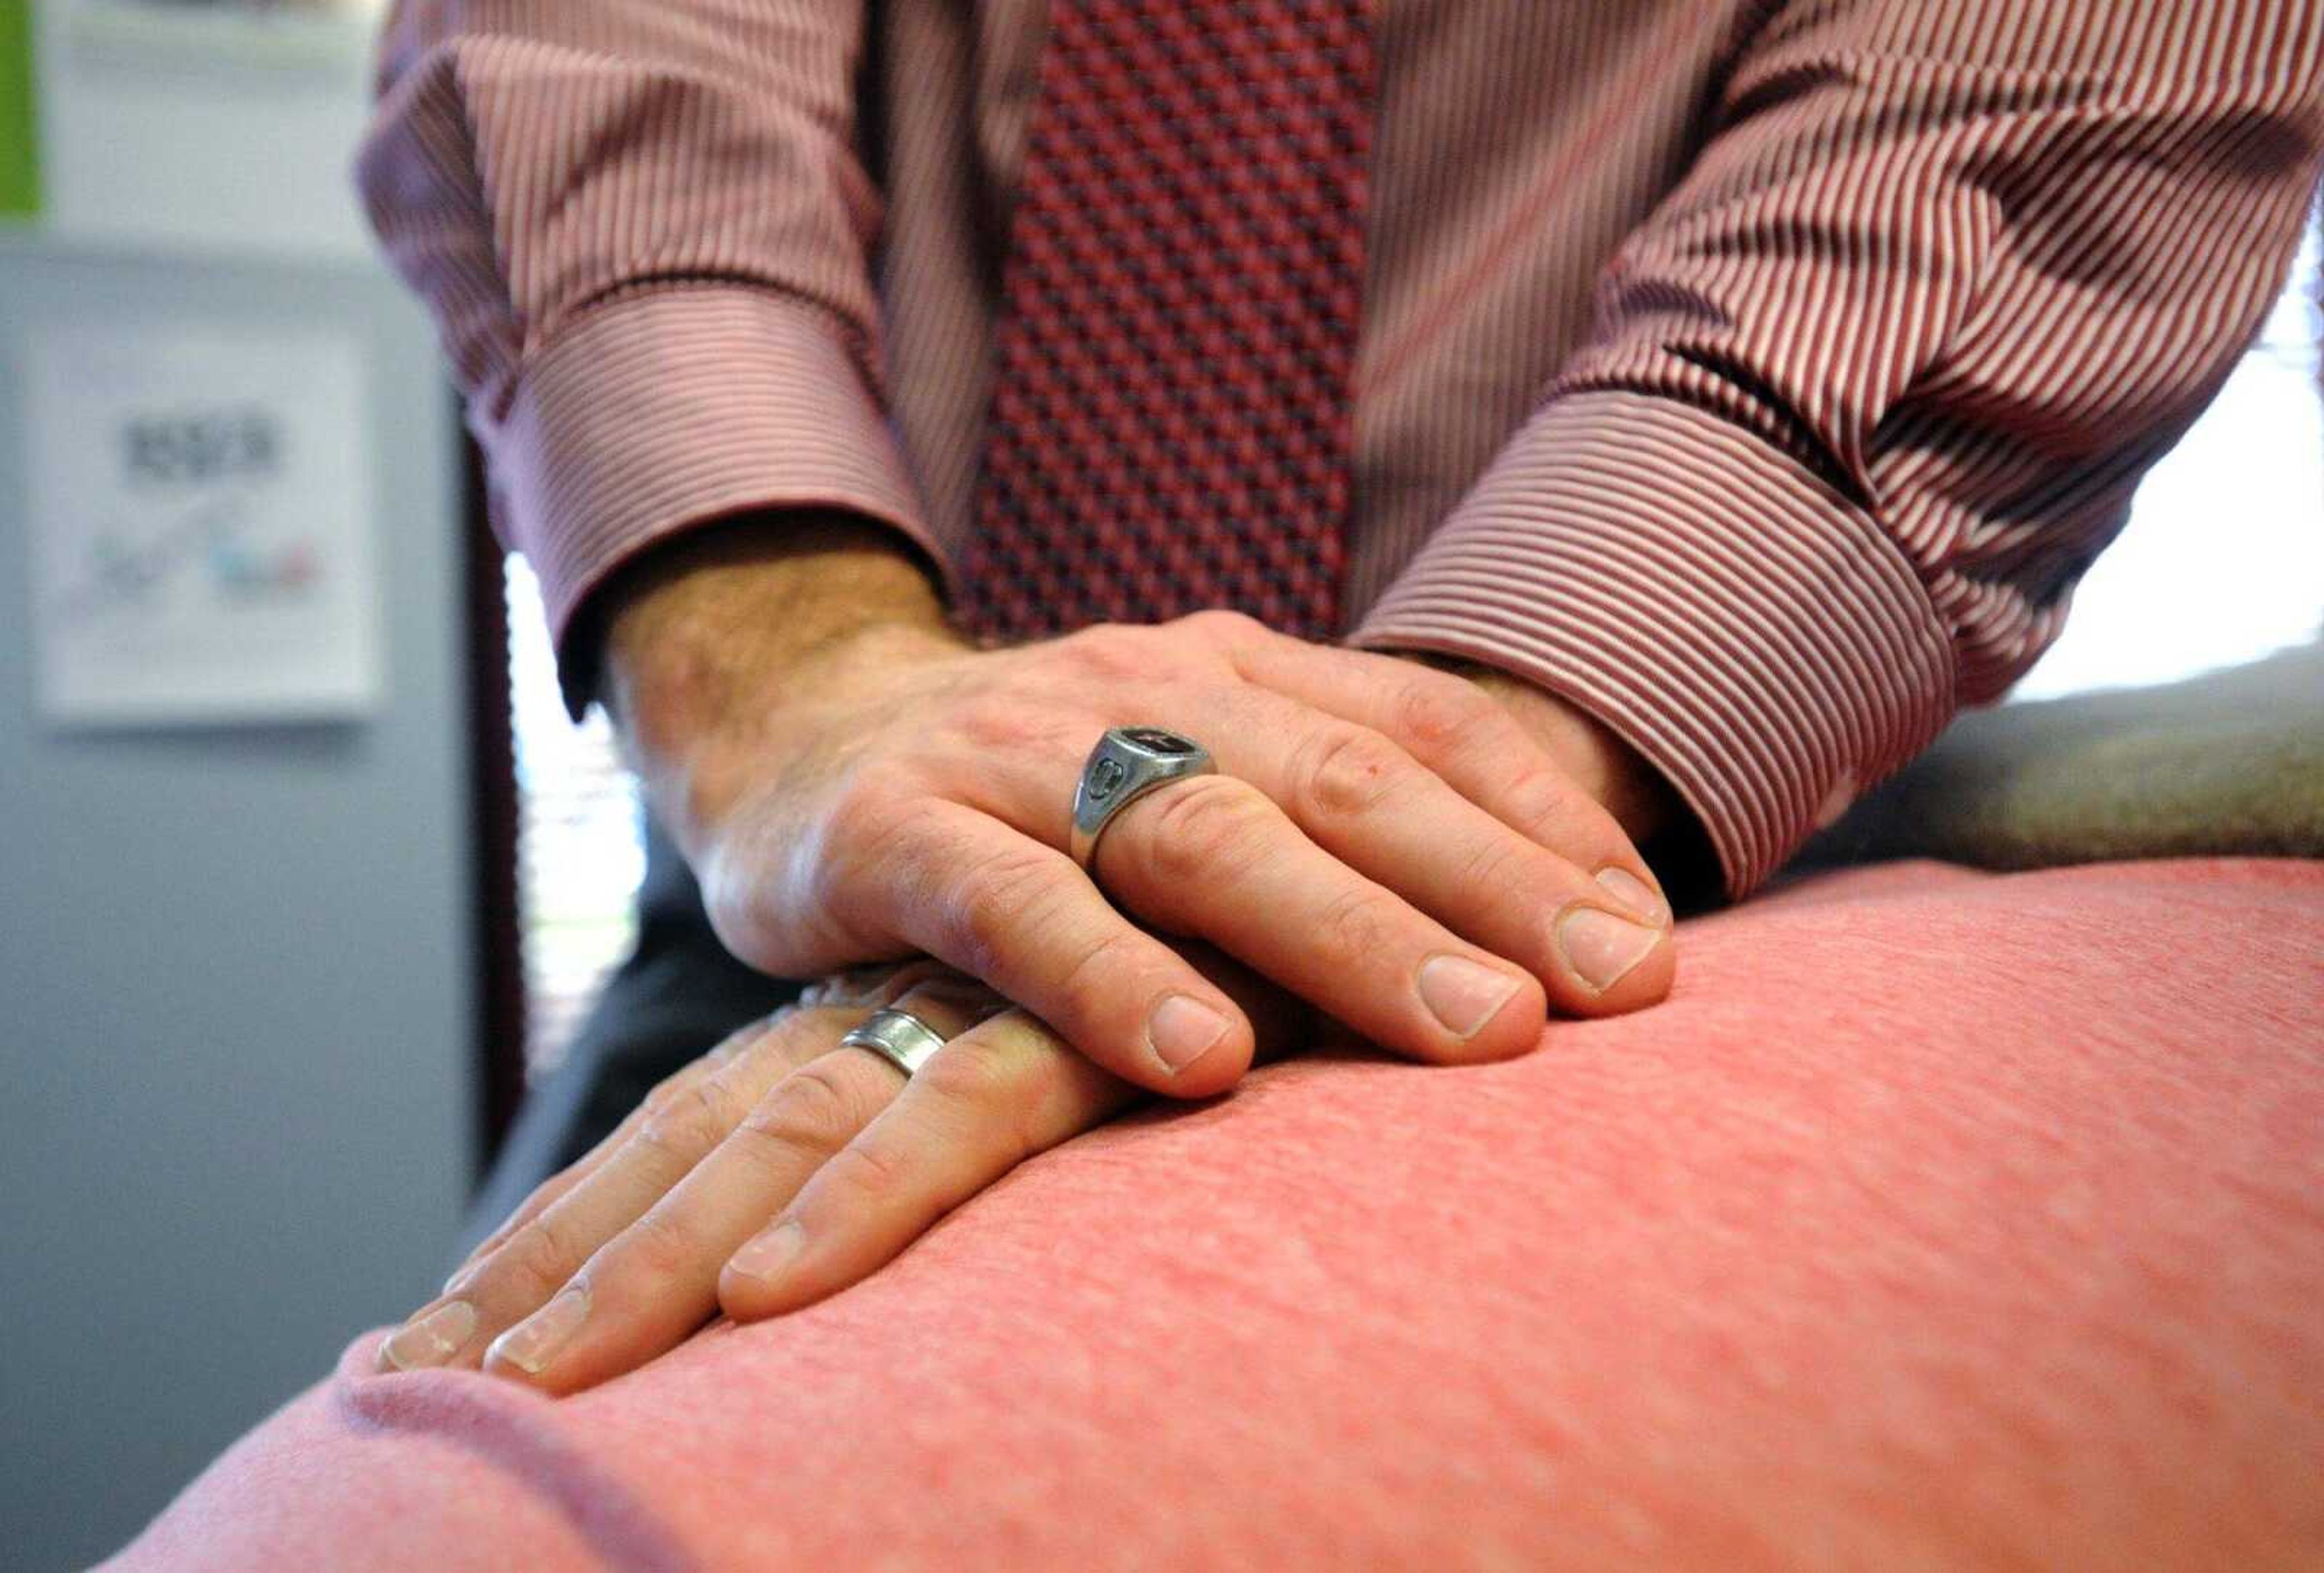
1435	860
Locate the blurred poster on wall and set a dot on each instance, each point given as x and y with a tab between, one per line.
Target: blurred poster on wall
201	526
217	126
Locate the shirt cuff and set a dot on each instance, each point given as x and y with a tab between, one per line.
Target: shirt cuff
1750	631
672	407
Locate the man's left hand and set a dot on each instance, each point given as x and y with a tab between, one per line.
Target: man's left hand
777	1170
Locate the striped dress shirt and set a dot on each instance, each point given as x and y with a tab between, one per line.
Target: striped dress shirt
1759	375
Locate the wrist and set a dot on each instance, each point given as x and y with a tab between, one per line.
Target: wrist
717	642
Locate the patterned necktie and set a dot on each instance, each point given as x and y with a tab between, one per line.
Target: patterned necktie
1170	419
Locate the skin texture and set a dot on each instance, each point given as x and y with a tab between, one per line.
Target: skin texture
911	767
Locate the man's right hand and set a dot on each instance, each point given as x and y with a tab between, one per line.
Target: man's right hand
854	782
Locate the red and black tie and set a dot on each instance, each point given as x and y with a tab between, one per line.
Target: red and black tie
1170	419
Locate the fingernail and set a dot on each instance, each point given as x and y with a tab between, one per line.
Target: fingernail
1463	994
1635	894
430	1339
533	1342
766	1256
1602	948
1182	1030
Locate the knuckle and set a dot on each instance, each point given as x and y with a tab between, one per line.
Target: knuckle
998	904
656	1247
1009	726
1103	974
973	1072
537	1259
1223	626
663	1092
1204	827
1500	862
1440	713
1348	771
871	1169
1544	803
1360	923
694	1119
1111	652
812	1112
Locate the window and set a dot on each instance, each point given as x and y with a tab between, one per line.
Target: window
2223	559
580	851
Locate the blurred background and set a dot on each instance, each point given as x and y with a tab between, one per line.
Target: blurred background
303	870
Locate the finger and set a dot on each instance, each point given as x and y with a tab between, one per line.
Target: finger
1020	917
989	1099
537	1258
1594	932
674	1085
1468	738
647	1290
858	988
1390	818
1214	855
1000	1091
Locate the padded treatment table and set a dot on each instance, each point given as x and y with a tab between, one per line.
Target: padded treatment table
1940	1217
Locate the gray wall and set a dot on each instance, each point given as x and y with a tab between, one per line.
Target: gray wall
234	999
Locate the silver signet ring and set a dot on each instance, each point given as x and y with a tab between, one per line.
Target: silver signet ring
1128	763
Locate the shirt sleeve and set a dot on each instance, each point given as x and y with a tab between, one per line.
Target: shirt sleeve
643	230
1872	388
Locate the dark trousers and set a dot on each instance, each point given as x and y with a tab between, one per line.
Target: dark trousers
675	997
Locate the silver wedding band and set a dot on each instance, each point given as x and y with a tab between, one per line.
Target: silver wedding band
1128	763
899	1037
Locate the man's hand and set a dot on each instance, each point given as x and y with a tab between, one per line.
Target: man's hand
781	1167
1385	840
775	1171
